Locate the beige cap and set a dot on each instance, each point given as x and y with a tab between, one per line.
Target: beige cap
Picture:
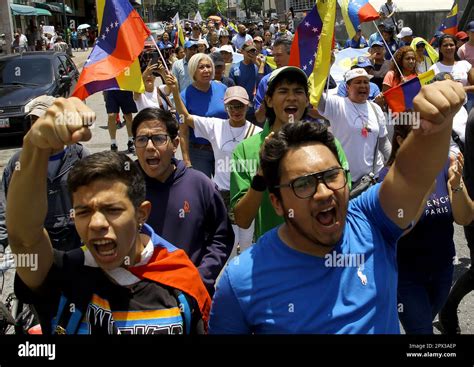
236	94
38	106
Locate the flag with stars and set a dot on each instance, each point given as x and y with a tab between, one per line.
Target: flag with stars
113	62
312	46
450	23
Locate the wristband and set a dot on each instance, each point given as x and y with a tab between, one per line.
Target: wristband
258	183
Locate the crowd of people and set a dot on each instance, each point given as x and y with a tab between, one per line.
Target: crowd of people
255	229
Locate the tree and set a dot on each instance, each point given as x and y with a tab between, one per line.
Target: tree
212	7
168	8
252	5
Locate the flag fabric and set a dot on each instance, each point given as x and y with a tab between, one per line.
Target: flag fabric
355	12
113	62
400	98
198	18
450	23
178	40
311	48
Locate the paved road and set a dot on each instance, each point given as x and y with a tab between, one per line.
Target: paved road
100	141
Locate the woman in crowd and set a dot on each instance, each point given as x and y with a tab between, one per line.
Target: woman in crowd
425	254
155	97
423	61
406	61
202	98
224	135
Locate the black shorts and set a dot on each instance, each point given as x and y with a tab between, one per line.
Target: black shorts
116	100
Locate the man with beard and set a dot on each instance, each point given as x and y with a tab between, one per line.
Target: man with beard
331	267
242	37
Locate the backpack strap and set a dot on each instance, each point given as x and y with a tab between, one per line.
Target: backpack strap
250	131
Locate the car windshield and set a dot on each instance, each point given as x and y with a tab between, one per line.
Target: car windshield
26	71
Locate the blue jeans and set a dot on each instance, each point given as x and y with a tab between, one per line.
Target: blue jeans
421	296
202	160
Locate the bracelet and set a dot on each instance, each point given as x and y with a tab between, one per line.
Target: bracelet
258	183
459	188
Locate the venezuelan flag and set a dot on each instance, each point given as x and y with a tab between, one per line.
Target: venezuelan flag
113	62
400	98
450	23
355	12
312	46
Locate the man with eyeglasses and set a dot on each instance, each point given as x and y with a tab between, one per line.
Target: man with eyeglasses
331	267
187	209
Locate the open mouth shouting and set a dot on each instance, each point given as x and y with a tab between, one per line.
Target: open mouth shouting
327	219
105	249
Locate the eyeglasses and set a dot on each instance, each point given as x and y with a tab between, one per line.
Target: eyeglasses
235	107
141	141
306	186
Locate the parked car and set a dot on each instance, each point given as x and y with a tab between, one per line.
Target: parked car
26	76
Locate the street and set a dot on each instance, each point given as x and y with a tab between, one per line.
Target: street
100	141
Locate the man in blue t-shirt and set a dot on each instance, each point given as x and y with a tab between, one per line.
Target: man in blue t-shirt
331	267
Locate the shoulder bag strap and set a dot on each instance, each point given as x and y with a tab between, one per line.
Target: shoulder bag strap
374	162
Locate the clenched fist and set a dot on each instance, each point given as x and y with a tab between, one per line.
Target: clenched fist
66	122
437	104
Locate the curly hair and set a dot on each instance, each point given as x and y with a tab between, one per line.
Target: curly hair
398	58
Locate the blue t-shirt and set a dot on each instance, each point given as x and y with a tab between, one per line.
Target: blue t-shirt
352	43
373	92
245	76
206	104
429	246
272	289
261	90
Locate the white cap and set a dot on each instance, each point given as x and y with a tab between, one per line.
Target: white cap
406	31
227	48
355	73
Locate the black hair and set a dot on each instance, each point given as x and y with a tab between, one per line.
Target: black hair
163	116
290	78
440	42
109	166
283	41
291	136
401	131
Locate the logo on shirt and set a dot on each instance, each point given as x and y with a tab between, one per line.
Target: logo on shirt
186	209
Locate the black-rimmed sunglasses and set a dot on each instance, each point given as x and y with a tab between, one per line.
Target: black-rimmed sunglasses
141	141
307	185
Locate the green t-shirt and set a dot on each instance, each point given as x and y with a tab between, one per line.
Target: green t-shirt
245	163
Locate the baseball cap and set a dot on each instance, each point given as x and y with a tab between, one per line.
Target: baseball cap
363	62
217	59
462	36
377	43
236	93
286	70
38	106
249	46
257	39
406	31
419	43
470	26
355	73
227	48
189	44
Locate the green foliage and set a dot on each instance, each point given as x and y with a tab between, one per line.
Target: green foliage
251	5
168	8
211	7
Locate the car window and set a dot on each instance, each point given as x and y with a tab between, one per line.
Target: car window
26	70
69	66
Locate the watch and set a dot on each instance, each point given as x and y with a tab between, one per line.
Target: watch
258	183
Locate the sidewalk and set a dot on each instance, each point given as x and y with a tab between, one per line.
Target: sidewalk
80	57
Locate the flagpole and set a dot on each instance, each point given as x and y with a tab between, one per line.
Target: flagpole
388	48
162	58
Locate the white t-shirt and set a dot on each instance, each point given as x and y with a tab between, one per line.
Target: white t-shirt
150	99
459	127
347	121
459	70
224	139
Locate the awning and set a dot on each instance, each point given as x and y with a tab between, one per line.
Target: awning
40	11
54	7
18	9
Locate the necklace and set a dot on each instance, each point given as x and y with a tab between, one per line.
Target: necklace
234	138
365	130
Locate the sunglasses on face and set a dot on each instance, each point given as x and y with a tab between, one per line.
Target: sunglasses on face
141	141
235	107
306	186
